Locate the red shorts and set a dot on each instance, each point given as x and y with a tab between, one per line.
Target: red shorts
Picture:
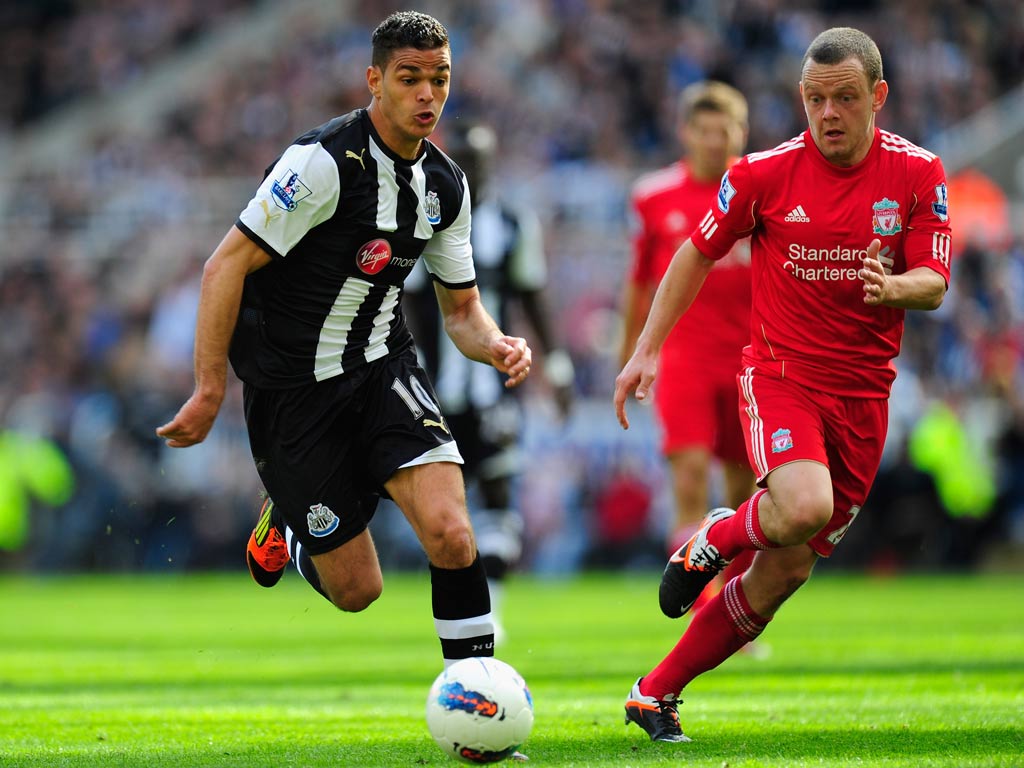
786	422
697	407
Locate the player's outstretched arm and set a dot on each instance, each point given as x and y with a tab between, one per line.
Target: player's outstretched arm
683	279
478	337
219	299
919	288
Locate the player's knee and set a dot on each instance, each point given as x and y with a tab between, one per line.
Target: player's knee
357	596
449	541
806	514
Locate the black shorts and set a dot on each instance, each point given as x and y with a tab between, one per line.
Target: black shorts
325	450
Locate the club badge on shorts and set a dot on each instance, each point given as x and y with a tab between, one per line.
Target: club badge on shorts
782	440
321	520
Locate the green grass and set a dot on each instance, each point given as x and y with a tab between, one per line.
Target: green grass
212	671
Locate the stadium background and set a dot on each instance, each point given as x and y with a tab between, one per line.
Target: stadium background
133	131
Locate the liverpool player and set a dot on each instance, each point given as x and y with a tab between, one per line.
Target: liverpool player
695	398
849	228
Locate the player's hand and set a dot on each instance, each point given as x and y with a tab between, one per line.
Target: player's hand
873	274
192	423
635	378
512	356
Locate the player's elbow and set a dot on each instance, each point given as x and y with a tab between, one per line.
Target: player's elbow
924	291
935	298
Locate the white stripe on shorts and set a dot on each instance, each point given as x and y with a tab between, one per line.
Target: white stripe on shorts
447	452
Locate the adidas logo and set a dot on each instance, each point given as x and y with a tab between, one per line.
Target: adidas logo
798	214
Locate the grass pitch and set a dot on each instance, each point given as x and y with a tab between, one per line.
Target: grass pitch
213	671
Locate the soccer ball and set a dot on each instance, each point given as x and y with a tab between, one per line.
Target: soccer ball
479	710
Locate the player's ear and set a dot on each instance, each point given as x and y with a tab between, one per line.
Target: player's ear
374	78
879	95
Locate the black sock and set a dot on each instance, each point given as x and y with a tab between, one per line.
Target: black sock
462	611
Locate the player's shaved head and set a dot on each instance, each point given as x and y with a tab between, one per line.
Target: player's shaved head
838	44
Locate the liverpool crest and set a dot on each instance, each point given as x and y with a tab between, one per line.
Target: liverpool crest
782	440
886	217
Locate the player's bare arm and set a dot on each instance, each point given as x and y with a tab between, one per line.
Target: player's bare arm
675	294
219	299
478	337
919	288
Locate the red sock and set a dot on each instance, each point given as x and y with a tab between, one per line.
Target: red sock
736	567
716	632
741	531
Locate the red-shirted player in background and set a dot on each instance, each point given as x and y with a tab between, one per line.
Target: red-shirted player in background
849	228
696	394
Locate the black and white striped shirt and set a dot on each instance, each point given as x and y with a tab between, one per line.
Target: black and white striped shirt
344	219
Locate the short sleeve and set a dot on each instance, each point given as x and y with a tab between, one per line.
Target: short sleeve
731	215
300	192
449	254
929	234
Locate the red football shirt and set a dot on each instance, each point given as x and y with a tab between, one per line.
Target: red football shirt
810	224
667	205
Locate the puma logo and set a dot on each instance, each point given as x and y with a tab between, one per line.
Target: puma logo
359	157
268	213
432	423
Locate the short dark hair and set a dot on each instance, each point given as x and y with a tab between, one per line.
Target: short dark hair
841	43
406	29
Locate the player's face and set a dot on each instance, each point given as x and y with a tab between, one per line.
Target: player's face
408	96
711	138
841	106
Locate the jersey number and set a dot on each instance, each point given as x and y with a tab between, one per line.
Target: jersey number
839	532
421	398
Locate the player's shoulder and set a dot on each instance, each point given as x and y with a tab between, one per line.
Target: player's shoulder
348	132
659	182
445	182
437	161
895	147
443	173
784	154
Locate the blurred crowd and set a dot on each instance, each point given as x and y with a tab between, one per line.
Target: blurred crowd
101	257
